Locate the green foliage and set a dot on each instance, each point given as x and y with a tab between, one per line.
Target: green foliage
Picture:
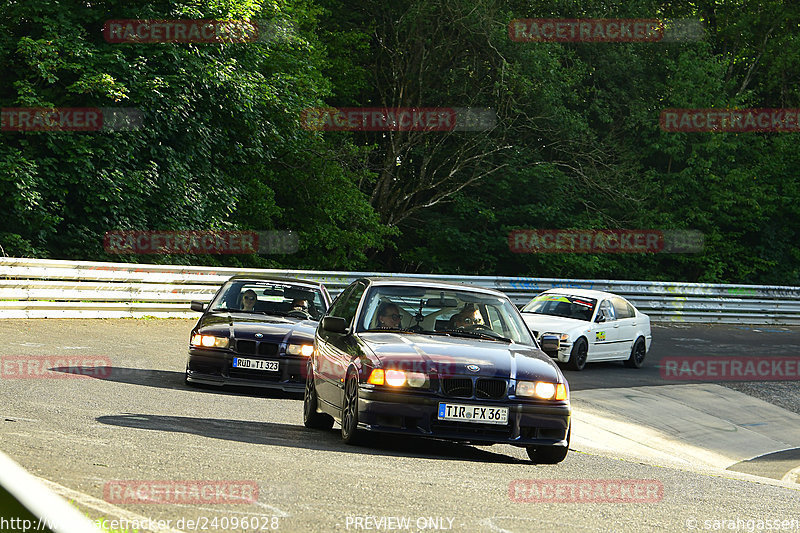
577	144
221	131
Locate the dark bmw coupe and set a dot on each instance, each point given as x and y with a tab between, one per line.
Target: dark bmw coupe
258	331
444	361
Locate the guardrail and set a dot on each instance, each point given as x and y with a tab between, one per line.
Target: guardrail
43	288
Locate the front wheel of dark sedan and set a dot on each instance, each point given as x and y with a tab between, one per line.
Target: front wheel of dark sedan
350	410
311	418
549	455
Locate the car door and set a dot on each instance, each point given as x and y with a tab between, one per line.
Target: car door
324	358
335	350
604	334
626	318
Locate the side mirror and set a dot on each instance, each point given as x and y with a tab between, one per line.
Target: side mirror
600	318
200	307
334	324
550	345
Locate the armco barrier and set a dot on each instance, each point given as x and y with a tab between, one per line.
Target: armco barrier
43	288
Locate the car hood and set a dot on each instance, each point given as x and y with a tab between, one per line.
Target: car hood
452	356
553	324
248	326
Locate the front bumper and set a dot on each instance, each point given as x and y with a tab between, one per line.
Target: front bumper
417	414
215	367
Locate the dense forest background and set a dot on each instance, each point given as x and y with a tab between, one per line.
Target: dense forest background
577	142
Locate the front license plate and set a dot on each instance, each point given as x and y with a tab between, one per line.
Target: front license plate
473	413
255	364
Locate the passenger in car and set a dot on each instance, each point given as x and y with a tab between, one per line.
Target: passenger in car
249	300
299	305
467	317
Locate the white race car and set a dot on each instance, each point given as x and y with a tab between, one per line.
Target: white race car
592	326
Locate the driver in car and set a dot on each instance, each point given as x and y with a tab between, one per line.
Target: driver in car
249	300
389	316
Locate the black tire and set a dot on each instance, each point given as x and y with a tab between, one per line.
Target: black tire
311	418
349	418
549	455
638	353
578	355
186	379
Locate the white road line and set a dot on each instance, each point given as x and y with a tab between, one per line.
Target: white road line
103	506
792	476
488	522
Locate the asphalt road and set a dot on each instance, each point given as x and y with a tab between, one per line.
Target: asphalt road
142	423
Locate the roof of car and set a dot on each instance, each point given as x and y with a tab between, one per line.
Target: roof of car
586	293
432	283
267	277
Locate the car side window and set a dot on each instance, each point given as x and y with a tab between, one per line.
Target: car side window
338	302
622	308
496	320
346	304
607	310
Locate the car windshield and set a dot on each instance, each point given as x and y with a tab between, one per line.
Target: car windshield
270	297
437	311
563	305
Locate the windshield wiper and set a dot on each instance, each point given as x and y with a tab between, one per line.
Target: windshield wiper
477	335
252	311
388	330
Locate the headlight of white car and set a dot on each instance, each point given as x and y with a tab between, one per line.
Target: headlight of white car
563	337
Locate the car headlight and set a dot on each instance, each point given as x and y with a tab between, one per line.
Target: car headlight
300	349
397	378
542	389
210	341
563	337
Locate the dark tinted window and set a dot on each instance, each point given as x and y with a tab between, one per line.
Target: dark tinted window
346	303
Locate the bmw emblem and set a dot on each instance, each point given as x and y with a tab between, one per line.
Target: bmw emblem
259	335
473	368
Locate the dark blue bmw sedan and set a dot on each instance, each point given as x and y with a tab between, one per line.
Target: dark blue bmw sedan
258	331
443	361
